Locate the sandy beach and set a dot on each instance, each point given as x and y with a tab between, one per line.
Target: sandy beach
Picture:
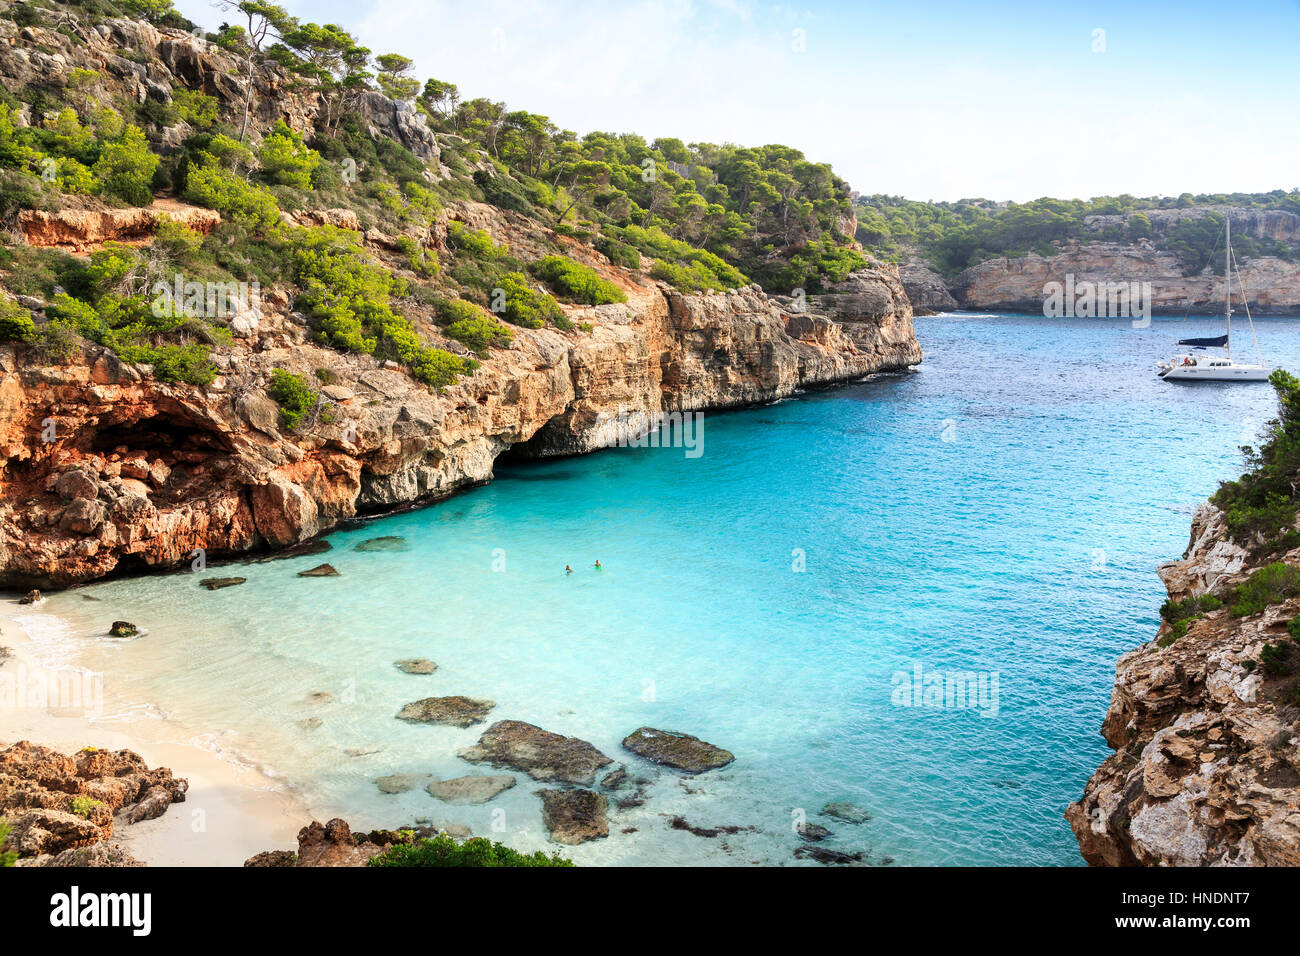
231	811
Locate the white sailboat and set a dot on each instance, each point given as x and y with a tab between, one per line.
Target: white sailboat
1196	366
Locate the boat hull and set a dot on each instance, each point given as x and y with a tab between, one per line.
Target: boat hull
1229	373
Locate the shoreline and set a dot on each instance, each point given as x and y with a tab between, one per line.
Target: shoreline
231	811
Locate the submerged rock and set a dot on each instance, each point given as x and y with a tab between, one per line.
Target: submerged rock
389	542
827	856
216	584
416	665
474	788
123	629
812	832
310	723
318	697
616	779
299	550
574	816
848	812
400	782
457	711
679	751
320	571
680	823
539	753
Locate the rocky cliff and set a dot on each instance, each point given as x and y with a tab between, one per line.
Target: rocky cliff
1206	730
105	468
1272	285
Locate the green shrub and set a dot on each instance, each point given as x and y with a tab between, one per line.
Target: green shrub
82	806
1276	659
294	395
286	159
1271	584
438	368
7	857
16	323
619	253
442	850
476	242
195	108
1260	506
1180	614
423	262
125	168
474	328
248	204
349	297
577	282
521	305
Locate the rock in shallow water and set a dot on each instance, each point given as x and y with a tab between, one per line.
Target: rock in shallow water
827	856
389	542
400	782
123	629
848	812
320	571
679	751
473	788
416	665
457	711
539	753
574	816
216	584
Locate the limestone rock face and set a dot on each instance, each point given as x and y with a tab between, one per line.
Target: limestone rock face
1017	284
80	230
925	288
1207	764
219	475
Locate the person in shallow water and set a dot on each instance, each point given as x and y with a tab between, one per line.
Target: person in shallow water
568	570
598	564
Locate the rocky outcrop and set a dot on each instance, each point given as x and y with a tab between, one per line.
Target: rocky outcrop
539	753
925	288
1206	732
679	751
58	803
81	230
1272	285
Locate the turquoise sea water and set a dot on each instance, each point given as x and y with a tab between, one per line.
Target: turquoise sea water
999	510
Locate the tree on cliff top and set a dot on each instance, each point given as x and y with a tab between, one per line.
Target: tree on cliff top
264	20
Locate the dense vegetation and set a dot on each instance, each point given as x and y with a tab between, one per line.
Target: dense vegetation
954	235
443	850
1261	505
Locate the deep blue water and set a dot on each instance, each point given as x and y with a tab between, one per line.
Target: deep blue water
999	510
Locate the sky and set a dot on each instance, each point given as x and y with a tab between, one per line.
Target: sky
928	100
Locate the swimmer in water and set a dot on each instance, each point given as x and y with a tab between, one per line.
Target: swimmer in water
568	570
597	564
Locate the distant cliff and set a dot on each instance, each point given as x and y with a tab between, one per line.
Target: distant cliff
1271	285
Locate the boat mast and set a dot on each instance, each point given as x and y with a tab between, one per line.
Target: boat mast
1227	278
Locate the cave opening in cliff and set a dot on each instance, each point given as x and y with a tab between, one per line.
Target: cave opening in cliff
156	433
